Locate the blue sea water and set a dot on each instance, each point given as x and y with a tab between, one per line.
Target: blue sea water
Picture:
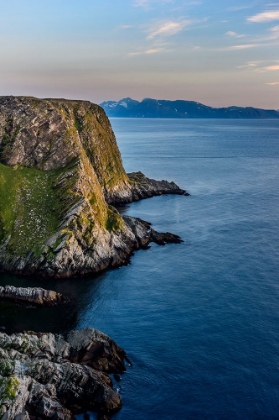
199	320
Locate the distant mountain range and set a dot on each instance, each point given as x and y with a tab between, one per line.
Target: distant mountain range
152	108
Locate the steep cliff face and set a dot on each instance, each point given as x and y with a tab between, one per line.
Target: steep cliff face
59	168
48	134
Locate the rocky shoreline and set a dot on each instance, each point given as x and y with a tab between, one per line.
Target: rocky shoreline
61	175
140	235
47	376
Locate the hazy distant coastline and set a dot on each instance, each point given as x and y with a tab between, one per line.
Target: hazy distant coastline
152	108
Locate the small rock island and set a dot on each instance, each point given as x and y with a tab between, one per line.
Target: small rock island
61	176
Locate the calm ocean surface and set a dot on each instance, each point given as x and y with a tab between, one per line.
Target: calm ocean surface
199	320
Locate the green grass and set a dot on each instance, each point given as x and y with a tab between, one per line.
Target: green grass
34	202
29	208
9	388
114	221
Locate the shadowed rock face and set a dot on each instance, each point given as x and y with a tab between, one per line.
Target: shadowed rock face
60	168
51	376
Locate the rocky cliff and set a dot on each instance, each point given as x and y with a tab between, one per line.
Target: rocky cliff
60	171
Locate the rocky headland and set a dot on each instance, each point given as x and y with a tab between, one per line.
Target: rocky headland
60	173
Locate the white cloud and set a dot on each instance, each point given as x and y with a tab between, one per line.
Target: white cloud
237	8
234	34
274	33
247	66
149	51
272	83
146	4
244	46
167	28
267	16
141	3
153	50
271	68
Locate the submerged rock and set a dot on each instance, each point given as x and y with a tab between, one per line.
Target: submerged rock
60	171
34	295
50	376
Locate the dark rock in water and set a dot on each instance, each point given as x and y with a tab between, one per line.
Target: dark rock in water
35	295
103	416
43	375
164	238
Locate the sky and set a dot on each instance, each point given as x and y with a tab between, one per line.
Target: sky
219	53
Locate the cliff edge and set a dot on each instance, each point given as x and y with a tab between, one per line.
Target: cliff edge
60	171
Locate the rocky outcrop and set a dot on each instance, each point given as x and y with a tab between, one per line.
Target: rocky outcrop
60	169
144	234
50	376
34	295
143	187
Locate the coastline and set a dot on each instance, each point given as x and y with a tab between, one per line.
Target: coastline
23	394
63	170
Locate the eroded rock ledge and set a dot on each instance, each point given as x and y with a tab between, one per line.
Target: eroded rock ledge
144	187
46	376
34	295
